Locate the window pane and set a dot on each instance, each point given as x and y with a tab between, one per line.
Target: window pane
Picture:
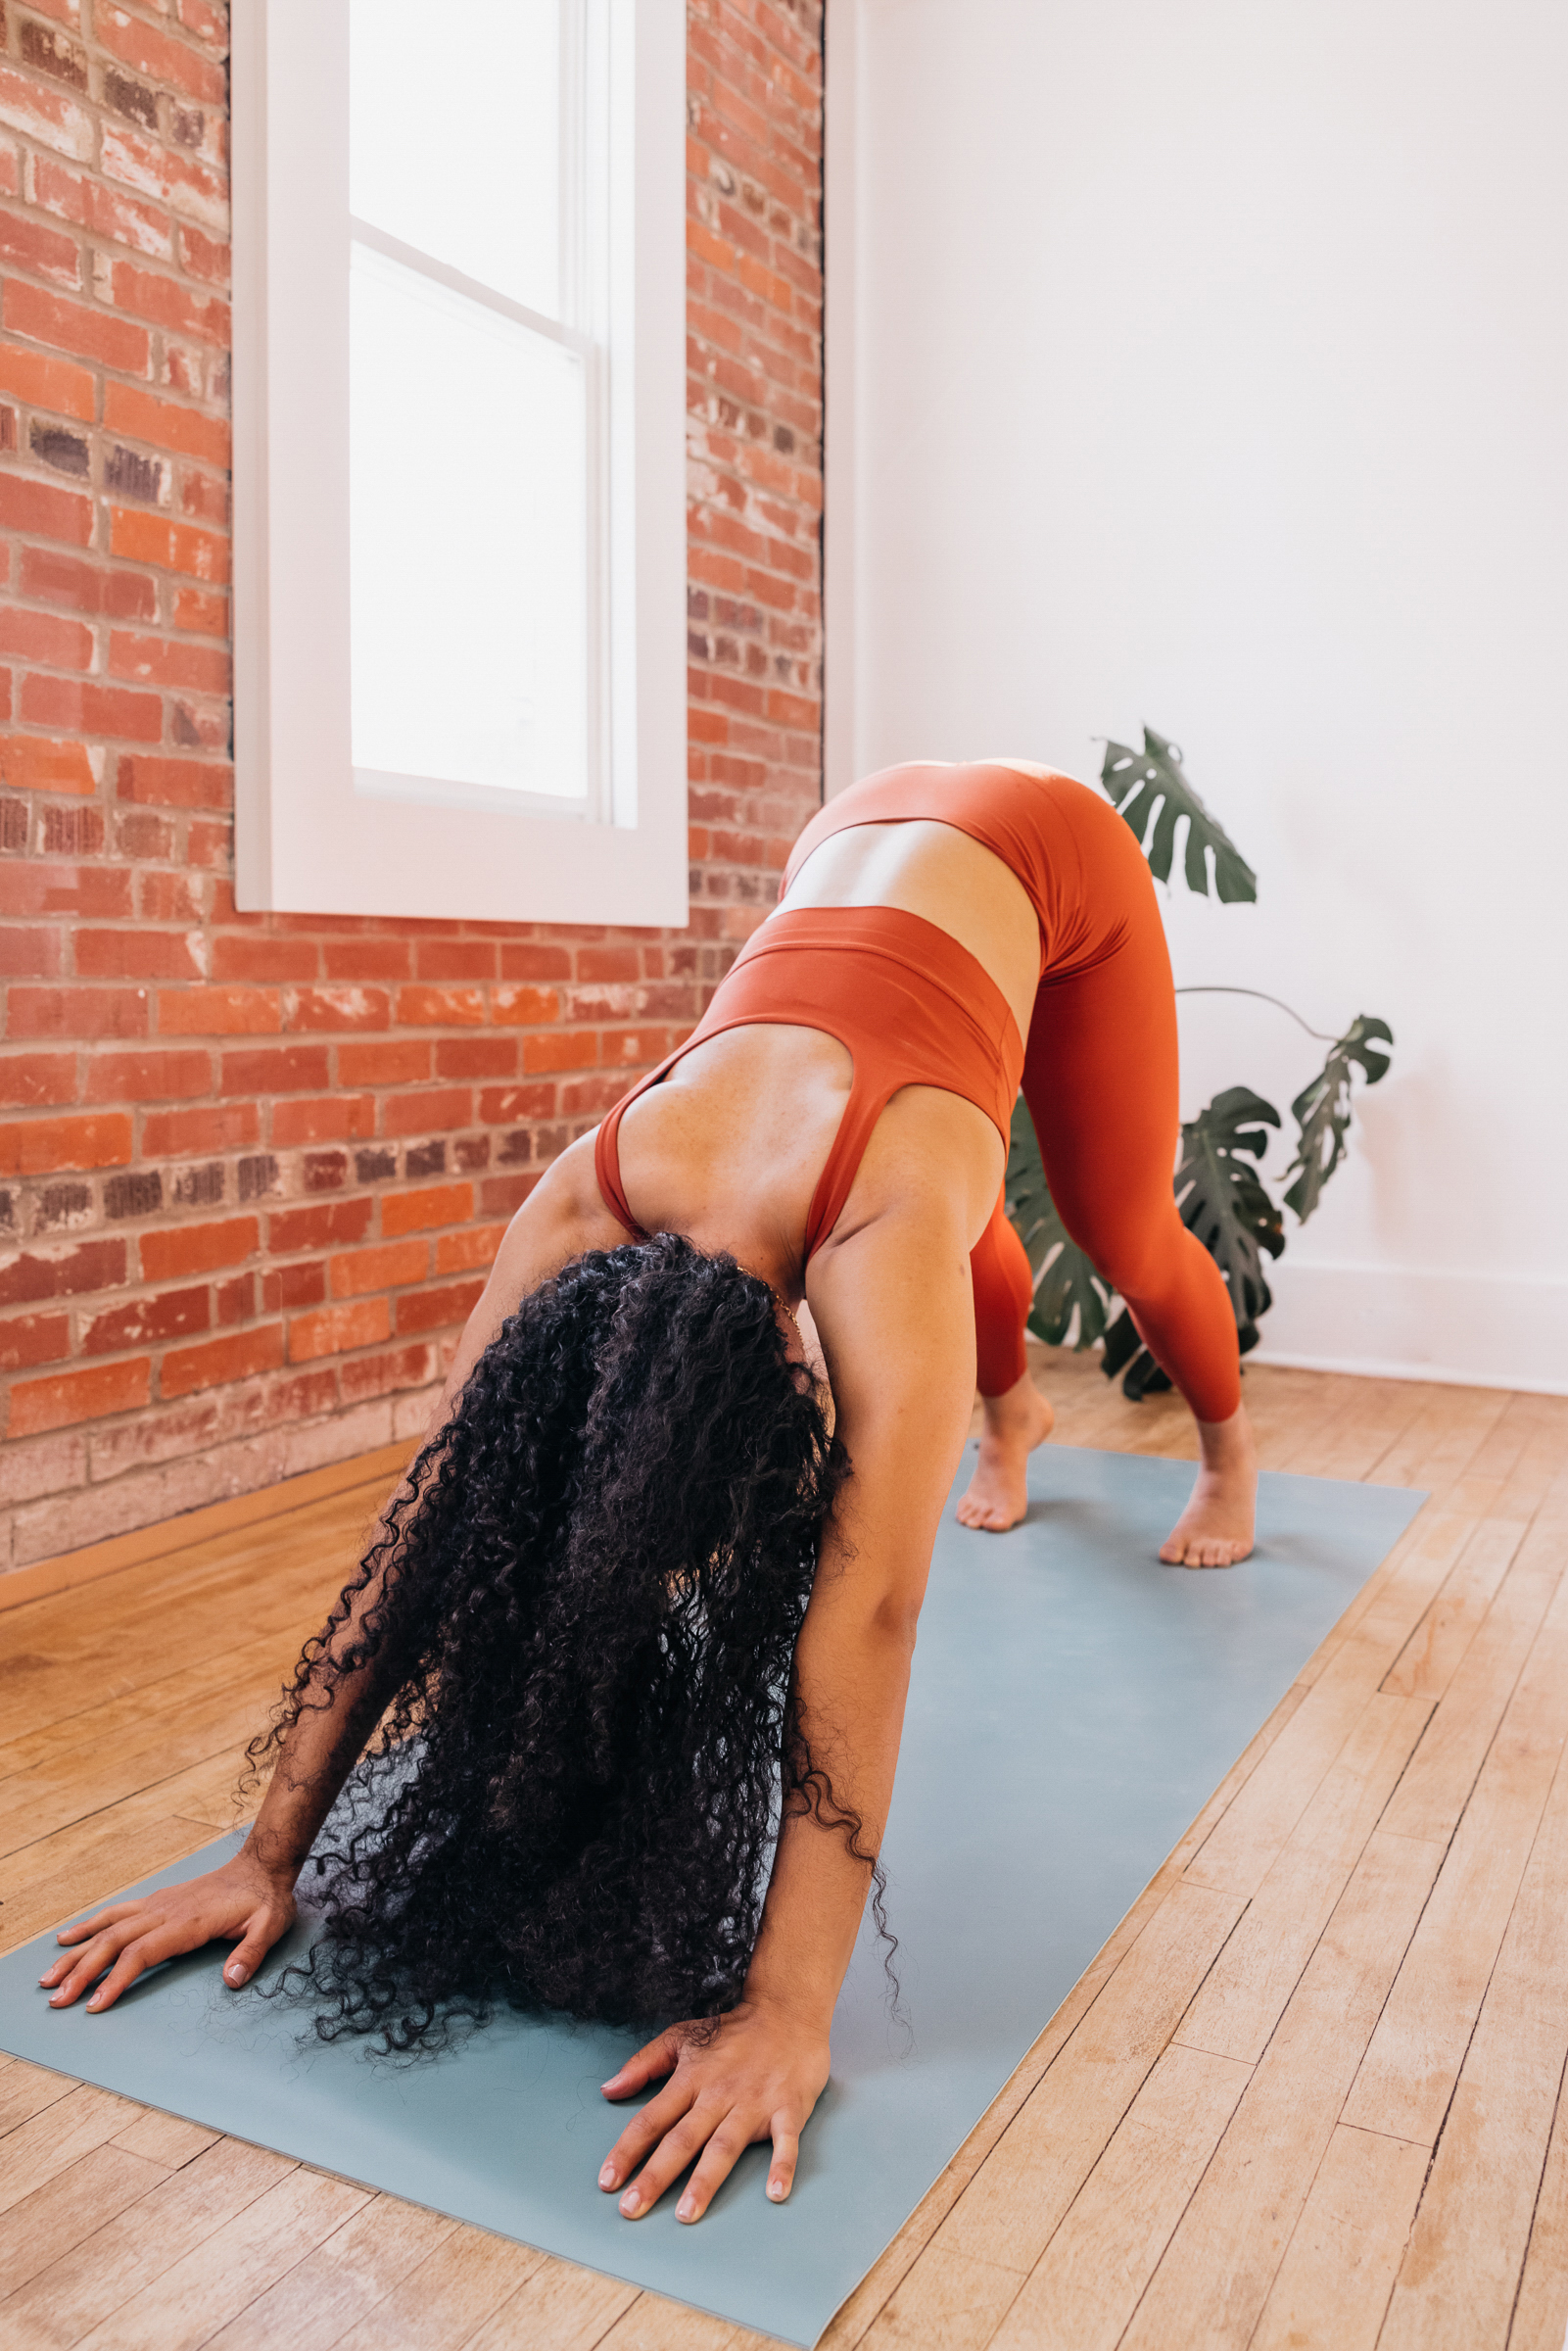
468	540
455	136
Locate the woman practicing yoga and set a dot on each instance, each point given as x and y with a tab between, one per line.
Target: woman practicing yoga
640	1608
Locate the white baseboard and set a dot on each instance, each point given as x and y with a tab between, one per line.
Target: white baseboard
1479	1330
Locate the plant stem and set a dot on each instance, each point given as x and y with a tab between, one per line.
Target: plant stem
1320	1033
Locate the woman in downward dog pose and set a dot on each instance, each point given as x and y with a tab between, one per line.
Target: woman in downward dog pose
642	1614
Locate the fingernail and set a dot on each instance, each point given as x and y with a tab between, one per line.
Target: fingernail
235	1975
685	2210
630	2203
776	2189
606	2178
97	2000
58	1998
610	2084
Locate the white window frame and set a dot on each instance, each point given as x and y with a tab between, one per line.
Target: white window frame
305	841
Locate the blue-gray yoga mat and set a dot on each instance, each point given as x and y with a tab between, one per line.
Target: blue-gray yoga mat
1073	1704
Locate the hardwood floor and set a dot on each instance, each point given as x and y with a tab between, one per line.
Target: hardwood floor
1308	2096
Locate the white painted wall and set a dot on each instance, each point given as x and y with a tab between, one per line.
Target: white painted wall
1207	363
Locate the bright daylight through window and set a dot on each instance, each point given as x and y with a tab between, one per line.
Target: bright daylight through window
460	541
476	292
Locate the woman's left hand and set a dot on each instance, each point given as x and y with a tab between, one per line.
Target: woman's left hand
756	2076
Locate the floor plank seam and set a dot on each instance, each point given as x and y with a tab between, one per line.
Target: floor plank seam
1535	2207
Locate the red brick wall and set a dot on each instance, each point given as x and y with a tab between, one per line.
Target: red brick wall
253	1167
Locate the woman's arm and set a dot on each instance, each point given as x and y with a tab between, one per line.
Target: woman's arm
251	1899
894	1310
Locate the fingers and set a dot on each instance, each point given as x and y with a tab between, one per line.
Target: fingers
643	2133
92	1926
260	1934
134	1960
655	2059
785	2156
74	1975
720	2156
676	2150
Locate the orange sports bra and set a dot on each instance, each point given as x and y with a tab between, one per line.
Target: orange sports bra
910	1005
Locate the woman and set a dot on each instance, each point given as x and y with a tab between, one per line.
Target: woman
585	1605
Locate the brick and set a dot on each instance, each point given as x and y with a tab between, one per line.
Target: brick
40	1147
142	954
565	1051
234	1300
81	890
505	1105
252	955
425	1159
155	660
290	1286
343	1116
436	1310
183	1134
159	55
127	473
166	424
142	538
330	1225
156	170
370	1375
524	1007
52	577
70	326
46	382
46	115
63	1272
220	1362
503	1195
461	1252
336	1329
275	1070
208	844
149	294
186	1249
400	1062
441	1007
175	783
442	1108
45	636
29	954
527	962
199	608
37	1405
53	53
476	1057
27	1079
337	1008
207	258
457	959
45	252
424	1211
92	710
137	1193
29	1339
150	1076
168	897
148	1321
382	1268
43	511
366	958
219	1012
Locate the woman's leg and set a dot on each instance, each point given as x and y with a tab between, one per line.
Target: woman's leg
1017	1416
1099	1078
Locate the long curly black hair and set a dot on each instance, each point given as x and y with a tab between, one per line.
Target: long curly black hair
583	1609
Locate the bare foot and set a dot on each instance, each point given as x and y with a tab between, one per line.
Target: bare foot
1216	1529
1015	1424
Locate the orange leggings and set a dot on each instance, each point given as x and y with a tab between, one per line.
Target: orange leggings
1099	1079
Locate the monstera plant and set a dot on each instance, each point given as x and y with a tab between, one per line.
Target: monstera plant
1221	1190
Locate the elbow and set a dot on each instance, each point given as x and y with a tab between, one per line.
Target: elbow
893	1622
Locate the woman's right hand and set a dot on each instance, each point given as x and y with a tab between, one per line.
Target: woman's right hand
240	1902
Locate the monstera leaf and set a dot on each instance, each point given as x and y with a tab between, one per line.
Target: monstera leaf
1065	1282
1323	1110
1139	783
1221	1199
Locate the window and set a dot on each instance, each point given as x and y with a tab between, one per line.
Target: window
460	513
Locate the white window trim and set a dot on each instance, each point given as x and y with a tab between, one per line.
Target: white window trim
304	841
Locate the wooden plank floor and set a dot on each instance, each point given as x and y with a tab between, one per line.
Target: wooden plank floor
1308	2096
